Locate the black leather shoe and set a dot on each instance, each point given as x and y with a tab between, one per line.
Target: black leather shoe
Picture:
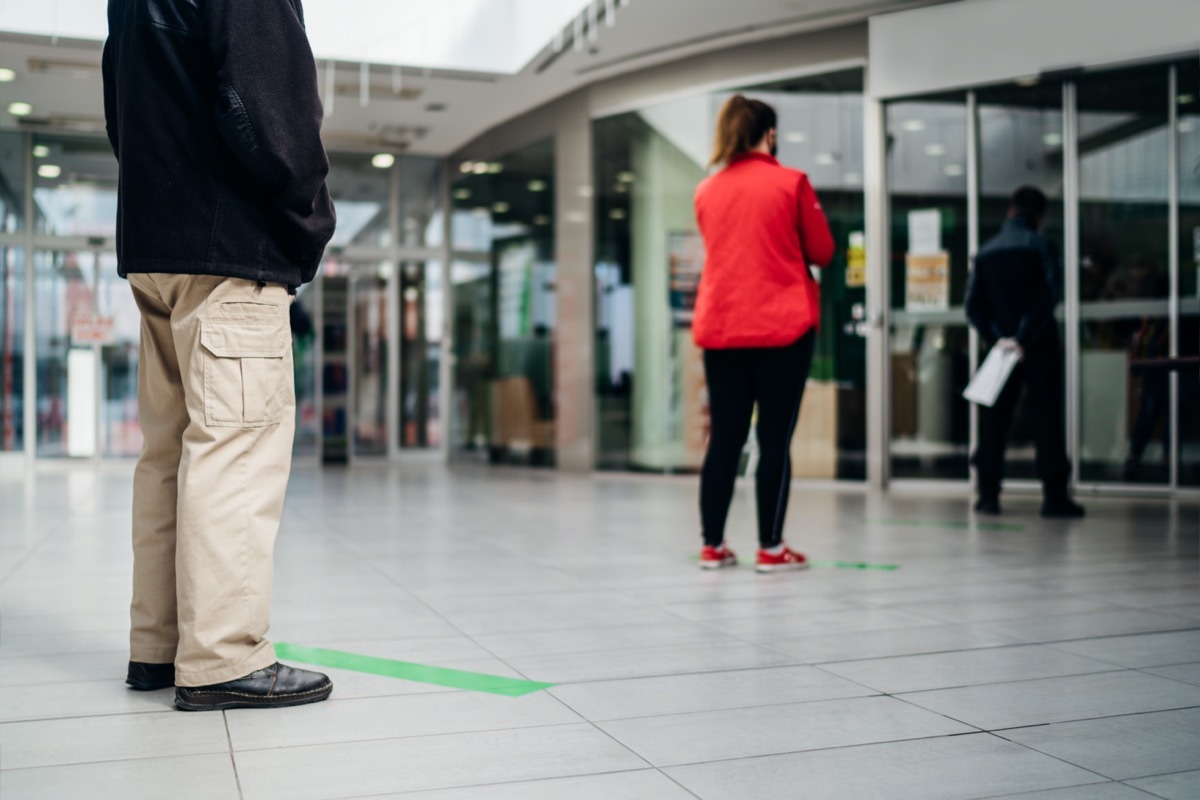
1062	508
150	677
989	506
274	687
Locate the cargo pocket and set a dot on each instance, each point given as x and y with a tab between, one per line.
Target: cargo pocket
245	370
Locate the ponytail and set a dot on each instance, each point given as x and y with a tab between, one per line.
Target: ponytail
741	125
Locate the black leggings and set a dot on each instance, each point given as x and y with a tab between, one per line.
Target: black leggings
774	378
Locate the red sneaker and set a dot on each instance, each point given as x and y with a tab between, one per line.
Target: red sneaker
788	559
716	557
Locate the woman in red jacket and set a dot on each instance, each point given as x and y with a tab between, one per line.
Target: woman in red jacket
756	313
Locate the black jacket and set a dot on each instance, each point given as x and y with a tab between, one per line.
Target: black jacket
1015	285
213	113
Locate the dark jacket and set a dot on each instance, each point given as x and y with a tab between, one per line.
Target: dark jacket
1015	285
213	113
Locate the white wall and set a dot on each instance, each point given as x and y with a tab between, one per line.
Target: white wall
986	41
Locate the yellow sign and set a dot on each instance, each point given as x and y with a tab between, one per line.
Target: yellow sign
856	262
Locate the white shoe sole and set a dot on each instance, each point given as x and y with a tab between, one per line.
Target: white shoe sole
765	568
729	562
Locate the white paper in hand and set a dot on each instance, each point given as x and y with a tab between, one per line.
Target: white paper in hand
989	380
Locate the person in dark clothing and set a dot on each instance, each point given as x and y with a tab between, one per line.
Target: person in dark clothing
222	212
1011	296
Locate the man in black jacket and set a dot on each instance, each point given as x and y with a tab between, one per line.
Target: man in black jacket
1011	296
213	113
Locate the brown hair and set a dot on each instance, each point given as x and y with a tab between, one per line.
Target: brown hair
741	125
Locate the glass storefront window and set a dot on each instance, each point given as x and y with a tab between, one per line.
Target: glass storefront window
927	157
75	187
420	201
306	361
504	309
421	322
361	194
1188	381
120	433
12	348
649	374
12	182
1124	275
64	285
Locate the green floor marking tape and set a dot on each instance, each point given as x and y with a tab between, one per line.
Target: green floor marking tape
853	565
944	523
404	670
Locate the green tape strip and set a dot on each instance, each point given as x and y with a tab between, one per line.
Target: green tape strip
404	670
853	565
948	523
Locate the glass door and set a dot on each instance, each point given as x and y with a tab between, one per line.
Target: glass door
929	343
1124	276
88	330
1187	279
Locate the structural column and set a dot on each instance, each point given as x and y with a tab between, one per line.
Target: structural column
574	343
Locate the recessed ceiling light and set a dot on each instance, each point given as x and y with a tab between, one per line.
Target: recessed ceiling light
953	170
462	194
466	167
626	177
49	171
617	214
1187	99
935	149
852	178
500	207
913	125
19	109
1052	139
495	168
826	159
541	219
40	151
479	168
7	75
537	186
795	137
383	161
1028	80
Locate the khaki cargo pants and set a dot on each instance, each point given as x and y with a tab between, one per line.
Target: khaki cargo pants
216	402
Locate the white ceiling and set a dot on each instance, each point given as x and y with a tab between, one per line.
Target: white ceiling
437	111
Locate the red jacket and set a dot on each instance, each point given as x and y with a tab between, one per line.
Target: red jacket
762	226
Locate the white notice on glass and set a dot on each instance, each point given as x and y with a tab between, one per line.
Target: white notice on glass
989	380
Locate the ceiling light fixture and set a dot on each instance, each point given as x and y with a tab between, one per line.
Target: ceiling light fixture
1052	139
913	125
541	219
383	161
501	207
467	167
1187	99
537	186
495	168
626	176
795	137
462	194
479	168
49	171
617	214
935	149
1028	80
953	170
20	109
40	151
7	75
826	159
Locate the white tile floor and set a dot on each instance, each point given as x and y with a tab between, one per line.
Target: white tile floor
1058	661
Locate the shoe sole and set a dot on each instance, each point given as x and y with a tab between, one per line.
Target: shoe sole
221	701
718	564
140	686
765	568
